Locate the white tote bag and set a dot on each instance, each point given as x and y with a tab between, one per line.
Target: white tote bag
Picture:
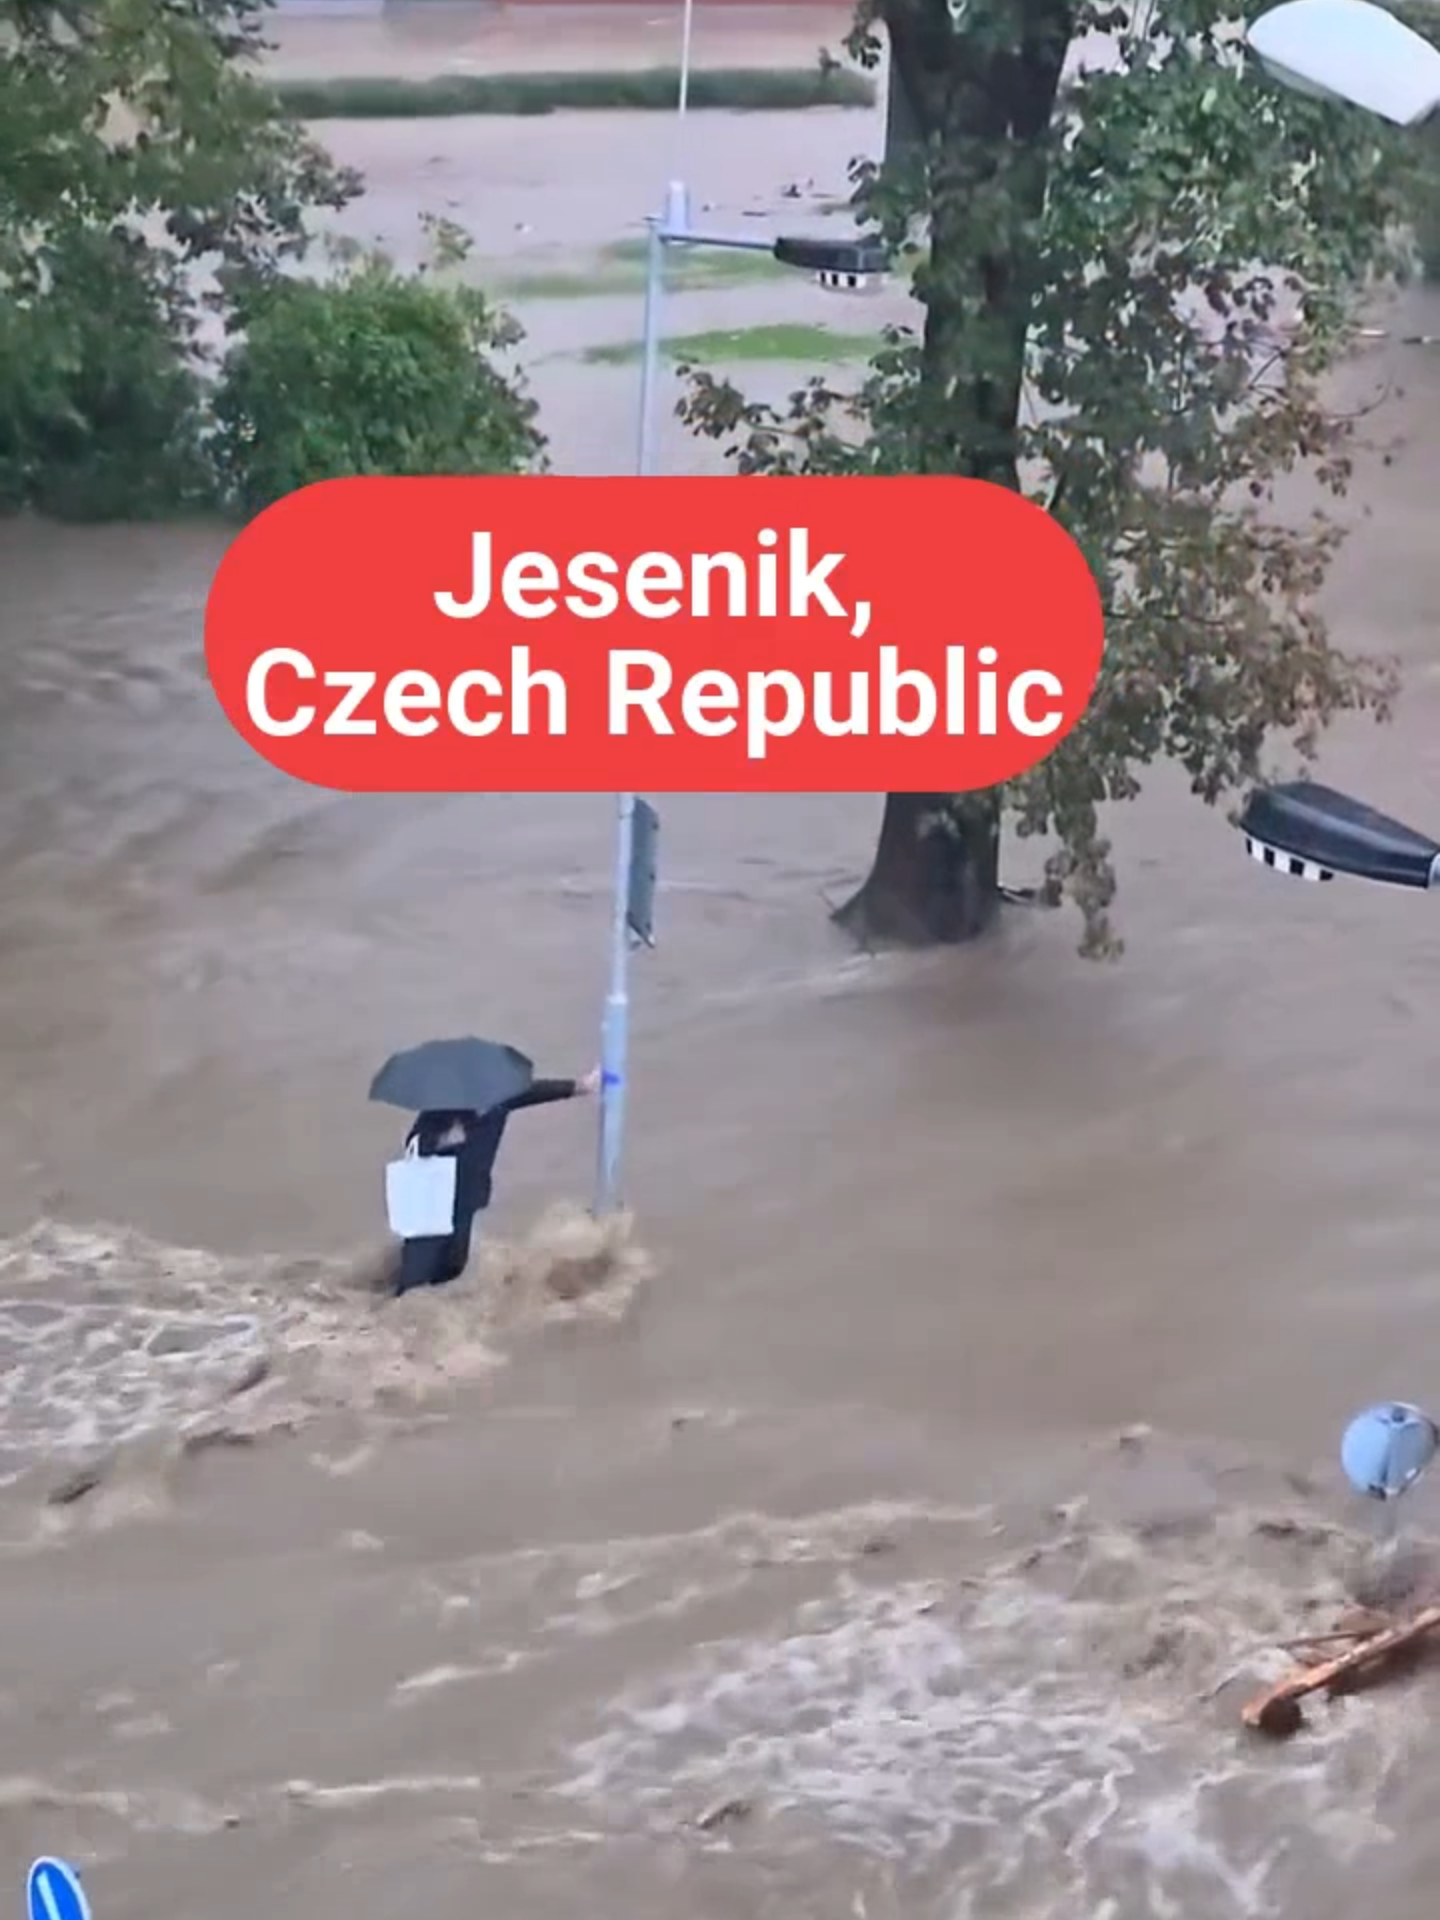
420	1195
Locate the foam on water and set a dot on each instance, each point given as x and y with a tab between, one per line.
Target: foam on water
1063	1729
1030	1729
106	1335
960	1713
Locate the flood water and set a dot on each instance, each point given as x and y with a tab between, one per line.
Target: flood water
895	1529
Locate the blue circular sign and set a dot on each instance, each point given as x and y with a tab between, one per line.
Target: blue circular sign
53	1892
1387	1448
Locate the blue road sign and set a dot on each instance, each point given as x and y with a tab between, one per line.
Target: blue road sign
1386	1449
644	869
53	1892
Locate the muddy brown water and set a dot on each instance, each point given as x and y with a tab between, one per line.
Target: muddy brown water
801	1568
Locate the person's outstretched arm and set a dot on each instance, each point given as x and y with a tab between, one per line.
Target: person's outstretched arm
543	1093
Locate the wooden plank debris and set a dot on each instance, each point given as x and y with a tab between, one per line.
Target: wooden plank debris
1379	1645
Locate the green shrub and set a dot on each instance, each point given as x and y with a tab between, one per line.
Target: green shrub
99	403
369	372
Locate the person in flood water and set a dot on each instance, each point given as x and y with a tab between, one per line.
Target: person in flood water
474	1141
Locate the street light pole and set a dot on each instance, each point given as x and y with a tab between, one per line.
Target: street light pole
669	227
837	262
650	344
687	29
849	261
615	1032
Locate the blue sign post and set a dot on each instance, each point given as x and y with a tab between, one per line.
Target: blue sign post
53	1892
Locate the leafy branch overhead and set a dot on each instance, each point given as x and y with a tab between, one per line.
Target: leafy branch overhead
153	205
1137	264
122	106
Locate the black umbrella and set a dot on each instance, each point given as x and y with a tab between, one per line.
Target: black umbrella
1313	832
445	1074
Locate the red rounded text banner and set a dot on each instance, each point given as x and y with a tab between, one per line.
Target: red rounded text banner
667	636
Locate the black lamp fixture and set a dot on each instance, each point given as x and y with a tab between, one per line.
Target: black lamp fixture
844	266
1312	832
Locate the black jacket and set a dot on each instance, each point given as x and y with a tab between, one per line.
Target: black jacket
476	1153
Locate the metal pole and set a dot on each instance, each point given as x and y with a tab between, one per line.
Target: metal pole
685	34
615	1036
672	227
615	1033
650	344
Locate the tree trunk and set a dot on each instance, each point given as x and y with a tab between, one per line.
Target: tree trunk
974	92
904	135
981	97
935	878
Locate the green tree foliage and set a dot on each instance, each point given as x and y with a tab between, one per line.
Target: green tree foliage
99	413
370	371
1135	274
144	176
155	205
1423	148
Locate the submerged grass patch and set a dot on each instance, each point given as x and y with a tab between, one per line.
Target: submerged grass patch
782	341
620	268
447	95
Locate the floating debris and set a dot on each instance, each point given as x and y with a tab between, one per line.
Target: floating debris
722	1812
1380	1646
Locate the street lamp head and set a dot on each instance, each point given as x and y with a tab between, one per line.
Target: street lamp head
1349	50
844	266
1312	832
